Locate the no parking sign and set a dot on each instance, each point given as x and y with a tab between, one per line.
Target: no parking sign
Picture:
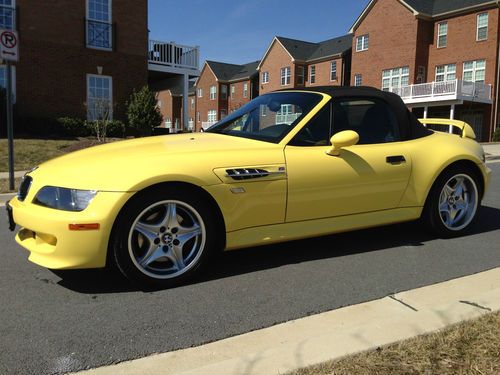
9	45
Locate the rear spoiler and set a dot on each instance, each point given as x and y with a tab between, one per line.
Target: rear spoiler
466	130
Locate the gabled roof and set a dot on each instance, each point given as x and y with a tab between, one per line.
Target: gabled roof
233	72
430	8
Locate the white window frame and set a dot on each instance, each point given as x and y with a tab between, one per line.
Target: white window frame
233	90
212	115
358	80
474	70
399	73
286	74
478	27
87	18
300	75
223	92
245	90
14	16
200	92
193	102
312	74
333	71
444	34
198	116
362	42
110	78
213	92
448	69
265	77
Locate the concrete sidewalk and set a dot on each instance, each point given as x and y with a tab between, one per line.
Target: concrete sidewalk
331	335
492	151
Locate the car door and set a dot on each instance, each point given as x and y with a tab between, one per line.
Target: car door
370	176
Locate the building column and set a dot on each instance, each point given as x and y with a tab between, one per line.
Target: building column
452	117
426	109
185	101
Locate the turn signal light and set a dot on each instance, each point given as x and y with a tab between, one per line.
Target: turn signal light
93	226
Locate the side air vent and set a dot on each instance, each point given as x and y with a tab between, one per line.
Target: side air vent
24	188
246	173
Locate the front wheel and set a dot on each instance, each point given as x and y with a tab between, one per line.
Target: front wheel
453	202
163	238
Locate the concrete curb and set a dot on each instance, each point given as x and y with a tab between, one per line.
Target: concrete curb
5	197
334	334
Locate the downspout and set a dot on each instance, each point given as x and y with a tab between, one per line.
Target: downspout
495	118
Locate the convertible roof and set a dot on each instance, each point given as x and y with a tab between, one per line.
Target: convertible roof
409	126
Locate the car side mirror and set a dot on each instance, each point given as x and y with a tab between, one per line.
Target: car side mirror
342	139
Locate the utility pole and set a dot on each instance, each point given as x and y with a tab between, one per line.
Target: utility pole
10	125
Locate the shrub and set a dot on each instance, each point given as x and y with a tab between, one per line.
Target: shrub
496	135
116	129
142	111
75	127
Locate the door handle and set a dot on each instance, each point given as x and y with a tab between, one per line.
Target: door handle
397	159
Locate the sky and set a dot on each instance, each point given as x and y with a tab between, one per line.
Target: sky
238	32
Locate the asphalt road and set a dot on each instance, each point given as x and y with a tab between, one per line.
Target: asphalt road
50	324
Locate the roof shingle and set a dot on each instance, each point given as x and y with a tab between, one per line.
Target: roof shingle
305	51
233	72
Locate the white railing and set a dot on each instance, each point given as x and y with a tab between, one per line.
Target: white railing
456	88
173	54
207	124
288	118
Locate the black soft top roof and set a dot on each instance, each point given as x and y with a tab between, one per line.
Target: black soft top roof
409	126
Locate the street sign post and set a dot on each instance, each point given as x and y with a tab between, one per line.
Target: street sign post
9	51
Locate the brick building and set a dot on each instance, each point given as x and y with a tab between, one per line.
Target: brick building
290	63
440	56
170	105
222	88
74	54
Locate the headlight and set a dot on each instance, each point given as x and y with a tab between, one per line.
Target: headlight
63	198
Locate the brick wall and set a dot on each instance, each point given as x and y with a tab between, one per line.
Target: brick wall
204	104
323	73
237	100
276	59
53	55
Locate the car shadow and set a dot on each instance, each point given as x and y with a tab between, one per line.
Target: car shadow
260	258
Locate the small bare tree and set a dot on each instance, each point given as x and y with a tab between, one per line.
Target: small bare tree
99	111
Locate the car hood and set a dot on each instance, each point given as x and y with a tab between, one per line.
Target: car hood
133	164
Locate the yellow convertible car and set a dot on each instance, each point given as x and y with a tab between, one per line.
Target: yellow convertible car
288	165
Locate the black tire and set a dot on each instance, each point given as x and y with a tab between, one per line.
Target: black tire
437	217
130	247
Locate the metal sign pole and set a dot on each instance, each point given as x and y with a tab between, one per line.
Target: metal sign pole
10	127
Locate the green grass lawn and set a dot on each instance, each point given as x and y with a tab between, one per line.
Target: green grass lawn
31	152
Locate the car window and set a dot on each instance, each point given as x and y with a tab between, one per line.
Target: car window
317	131
268	117
372	119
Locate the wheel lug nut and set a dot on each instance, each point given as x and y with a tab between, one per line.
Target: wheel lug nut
176	242
157	241
175	230
162	229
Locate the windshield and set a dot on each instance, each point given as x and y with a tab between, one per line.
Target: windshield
268	117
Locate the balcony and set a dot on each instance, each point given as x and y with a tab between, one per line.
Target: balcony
173	58
448	91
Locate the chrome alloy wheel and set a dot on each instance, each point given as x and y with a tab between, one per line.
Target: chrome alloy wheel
458	202
166	239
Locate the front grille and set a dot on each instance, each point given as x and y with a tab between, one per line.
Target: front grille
24	188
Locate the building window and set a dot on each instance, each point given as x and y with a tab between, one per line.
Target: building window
7	14
265	77
168	123
192	103
285	114
212	115
223	114
198	117
333	71
232	91
362	42
245	90
482	26
99	97
263	110
396	77
223	92
213	92
285	76
442	35
99	28
200	93
475	71
312	75
358	80
300	75
446	72
158	103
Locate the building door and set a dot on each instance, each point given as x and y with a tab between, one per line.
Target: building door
476	120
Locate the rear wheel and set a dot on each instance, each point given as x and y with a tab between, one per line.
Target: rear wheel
163	238
453	202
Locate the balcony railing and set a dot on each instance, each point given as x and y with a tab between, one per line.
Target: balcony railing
7	17
207	124
447	90
174	55
99	34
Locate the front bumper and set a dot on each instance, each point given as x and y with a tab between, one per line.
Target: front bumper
45	232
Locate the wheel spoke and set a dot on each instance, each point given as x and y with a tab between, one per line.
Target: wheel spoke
447	217
175	255
147	230
154	253
185	234
448	190
171	216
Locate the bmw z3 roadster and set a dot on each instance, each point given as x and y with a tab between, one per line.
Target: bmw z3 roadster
288	165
